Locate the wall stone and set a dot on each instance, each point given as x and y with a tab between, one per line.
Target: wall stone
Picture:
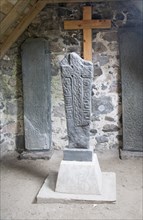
106	127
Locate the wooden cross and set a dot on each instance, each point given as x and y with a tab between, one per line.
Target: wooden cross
87	24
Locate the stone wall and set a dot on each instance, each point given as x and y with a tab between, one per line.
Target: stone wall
106	120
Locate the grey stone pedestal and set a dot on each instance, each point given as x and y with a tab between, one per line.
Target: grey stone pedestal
79	181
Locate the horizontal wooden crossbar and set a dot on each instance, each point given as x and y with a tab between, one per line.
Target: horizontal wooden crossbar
87	24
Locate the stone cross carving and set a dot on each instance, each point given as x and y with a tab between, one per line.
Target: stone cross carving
87	24
76	81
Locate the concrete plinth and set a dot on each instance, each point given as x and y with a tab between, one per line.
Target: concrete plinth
70	186
76	177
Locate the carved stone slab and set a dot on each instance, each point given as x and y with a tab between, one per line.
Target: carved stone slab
36	71
131	53
76	81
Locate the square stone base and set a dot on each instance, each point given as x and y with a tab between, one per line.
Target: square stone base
80	177
78	154
47	193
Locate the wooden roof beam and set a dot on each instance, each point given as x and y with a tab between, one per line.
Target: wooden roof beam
39	5
77	1
5	6
13	15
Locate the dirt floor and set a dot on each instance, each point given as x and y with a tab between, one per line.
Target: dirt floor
22	179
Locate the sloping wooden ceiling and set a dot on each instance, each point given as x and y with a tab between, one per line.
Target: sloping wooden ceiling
16	15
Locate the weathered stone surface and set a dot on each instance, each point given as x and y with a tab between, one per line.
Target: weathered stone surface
101	139
103	59
94	118
99	47
113	46
34	155
131	44
102	105
20	143
78	154
110	128
1	141
37	94
119	137
93	131
76	79
11	127
115	87
120	16
13	108
97	71
1	105
59	111
110	36
107	118
70	40
103	87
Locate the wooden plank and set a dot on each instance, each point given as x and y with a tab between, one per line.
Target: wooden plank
32	2
72	1
5	6
87	35
87	14
2	15
13	15
87	44
22	26
86	24
13	1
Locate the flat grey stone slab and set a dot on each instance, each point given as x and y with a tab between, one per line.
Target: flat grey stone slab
131	56
78	154
47	193
36	72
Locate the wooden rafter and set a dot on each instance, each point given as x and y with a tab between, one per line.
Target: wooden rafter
70	25
13	15
73	1
38	6
5	6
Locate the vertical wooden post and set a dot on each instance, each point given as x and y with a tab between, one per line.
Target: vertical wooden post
87	35
87	24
